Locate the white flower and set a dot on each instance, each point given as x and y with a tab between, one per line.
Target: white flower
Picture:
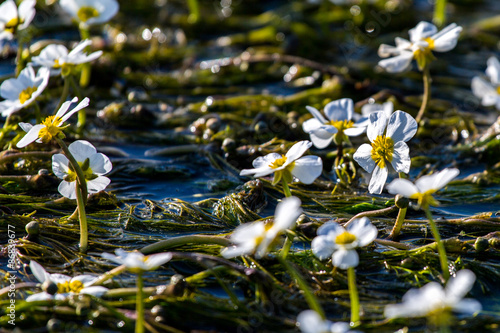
339	123
13	18
488	92
424	187
309	321
436	301
89	12
57	58
66	285
306	168
256	237
424	39
339	243
94	165
23	90
51	126
138	262
387	146
369	108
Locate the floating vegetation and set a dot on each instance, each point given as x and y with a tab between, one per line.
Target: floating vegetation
130	132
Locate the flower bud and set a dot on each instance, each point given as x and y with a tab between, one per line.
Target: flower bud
401	202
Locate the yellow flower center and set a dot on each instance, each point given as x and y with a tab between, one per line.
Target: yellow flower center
424	55
277	163
342	125
12	24
26	94
87	12
382	150
345	238
51	128
87	172
425	199
74	286
498	90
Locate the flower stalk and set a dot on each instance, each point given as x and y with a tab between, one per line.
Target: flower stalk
353	294
139	305
84	232
426	76
441	250
85	75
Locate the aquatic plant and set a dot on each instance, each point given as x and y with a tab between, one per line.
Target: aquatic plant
488	92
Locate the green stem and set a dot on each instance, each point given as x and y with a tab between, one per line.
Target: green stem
439	13
19	57
84	232
396	230
76	166
194	11
353	293
183	240
85	75
64	95
82	115
286	189
311	299
441	250
426	75
139	305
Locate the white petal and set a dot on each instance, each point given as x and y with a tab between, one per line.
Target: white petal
98	184
422	31
81	150
309	321
355	131
39	272
156	260
67	189
287	212
398	63
97	291
25	127
378	122
447	38
341	109
262	161
248	231
308	168
467	306
316	114
364	231
239	250
402	186
377	182
436	181
297	150
64	108
385	51
332	229
43	296
322	137
59	278
31	136
458	286
60	165
481	88
311	124
100	164
401	126
401	157
258	172
493	70
112	258
345	258
363	156
323	247
26	13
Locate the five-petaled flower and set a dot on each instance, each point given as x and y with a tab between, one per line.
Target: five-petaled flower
52	126
137	262
436	302
256	237
387	146
309	321
337	127
13	18
340	243
23	90
424	187
424	39
489	92
57	58
90	12
306	168
94	166
66	286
